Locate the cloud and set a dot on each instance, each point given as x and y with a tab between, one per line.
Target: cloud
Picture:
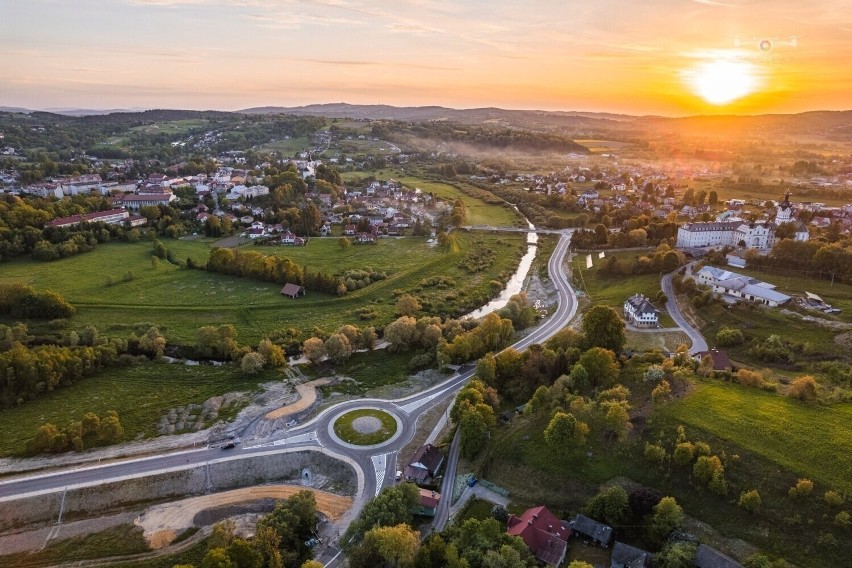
713	3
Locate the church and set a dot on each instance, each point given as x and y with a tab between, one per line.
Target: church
758	235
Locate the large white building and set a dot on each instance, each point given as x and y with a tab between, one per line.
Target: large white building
639	312
738	286
759	235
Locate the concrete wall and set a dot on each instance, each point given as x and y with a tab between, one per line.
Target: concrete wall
133	493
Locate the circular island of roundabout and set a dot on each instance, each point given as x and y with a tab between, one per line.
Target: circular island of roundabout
365	427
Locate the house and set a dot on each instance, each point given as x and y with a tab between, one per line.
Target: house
292	290
255	234
639	312
739	286
721	362
626	556
428	503
706	557
544	534
736	259
137	201
366	238
349	230
598	533
424	464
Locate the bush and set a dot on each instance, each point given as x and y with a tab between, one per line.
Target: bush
803	388
834	498
803	488
727	337
750	500
842	519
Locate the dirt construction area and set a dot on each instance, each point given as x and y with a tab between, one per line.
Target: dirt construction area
307	396
161	523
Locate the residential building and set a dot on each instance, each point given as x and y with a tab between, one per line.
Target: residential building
626	556
424	464
428	503
544	534
721	361
591	529
137	201
738	286
639	312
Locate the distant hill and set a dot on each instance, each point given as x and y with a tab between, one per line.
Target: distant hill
824	123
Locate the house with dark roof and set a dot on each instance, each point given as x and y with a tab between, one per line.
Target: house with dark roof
544	534
424	464
626	556
292	290
639	312
721	361
706	557
592	530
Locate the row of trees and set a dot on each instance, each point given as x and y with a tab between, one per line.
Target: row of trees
22	301
77	435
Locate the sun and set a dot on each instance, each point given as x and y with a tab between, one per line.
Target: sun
723	81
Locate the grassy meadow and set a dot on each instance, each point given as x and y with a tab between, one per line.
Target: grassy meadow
808	439
140	394
180	301
614	290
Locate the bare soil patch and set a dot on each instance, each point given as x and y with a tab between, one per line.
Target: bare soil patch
307	396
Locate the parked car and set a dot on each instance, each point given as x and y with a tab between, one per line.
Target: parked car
398	475
229	445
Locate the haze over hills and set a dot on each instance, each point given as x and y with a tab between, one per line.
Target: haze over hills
836	125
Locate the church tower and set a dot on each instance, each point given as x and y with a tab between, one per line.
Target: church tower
785	211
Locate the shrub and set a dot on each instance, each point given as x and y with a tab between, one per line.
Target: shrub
655	453
803	488
706	467
683	454
750	500
727	337
833	498
842	519
803	388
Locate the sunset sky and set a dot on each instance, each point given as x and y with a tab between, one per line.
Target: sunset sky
664	57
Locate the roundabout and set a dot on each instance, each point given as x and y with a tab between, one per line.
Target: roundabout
367	427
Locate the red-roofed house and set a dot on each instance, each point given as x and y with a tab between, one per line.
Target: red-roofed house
111	217
544	534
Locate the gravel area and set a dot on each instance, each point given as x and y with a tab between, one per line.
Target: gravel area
366	424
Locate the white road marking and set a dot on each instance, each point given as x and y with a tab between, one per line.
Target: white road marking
380	464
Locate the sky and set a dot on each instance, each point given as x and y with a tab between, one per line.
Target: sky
666	57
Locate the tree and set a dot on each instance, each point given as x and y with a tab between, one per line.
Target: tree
338	348
401	333
153	342
407	305
564	430
661	392
474	425
580	564
110	428
676	555
667	516
579	378
217	558
706	467
314	349
601	366
617	419
642	501
610	505
343	243
396	545
803	388
391	507
713	198
91	424
312	564
252	363
603	327
683	454
750	500
273	354
655	453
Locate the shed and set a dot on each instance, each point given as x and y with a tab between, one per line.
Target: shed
292	290
707	557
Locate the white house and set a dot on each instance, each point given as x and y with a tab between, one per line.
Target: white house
743	287
639	312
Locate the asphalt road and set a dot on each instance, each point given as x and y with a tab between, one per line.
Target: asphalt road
698	342
377	463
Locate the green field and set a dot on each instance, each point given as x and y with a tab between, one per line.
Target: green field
121	540
614	290
140	394
479	212
180	301
811	440
287	147
345	428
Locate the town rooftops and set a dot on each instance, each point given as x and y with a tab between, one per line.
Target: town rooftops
429	498
87	218
720	359
712	226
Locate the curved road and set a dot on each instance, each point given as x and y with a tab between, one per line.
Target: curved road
698	341
376	463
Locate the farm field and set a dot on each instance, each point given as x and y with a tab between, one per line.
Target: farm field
180	301
140	394
614	290
811	440
479	212
287	146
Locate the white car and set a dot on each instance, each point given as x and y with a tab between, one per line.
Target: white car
398	475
